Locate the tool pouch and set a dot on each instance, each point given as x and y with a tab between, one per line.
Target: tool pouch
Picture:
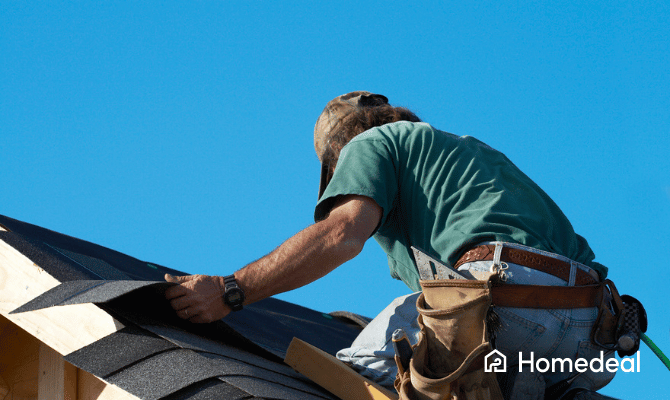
610	312
448	360
620	321
634	323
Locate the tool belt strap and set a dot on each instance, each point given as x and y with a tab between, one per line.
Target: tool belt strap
538	296
546	264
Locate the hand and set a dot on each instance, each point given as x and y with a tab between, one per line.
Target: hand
198	298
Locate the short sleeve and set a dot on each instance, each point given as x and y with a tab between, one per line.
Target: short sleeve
366	167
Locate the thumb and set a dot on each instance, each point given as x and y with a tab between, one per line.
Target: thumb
177	279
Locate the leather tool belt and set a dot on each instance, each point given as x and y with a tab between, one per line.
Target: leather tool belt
587	291
620	320
550	265
447	362
540	296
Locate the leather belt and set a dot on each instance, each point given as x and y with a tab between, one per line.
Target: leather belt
549	265
530	296
538	296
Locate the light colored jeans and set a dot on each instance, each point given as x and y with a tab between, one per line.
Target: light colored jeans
549	334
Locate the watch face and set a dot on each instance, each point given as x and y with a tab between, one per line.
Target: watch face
234	296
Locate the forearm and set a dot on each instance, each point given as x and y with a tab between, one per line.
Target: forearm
302	259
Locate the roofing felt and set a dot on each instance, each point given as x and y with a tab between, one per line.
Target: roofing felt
158	355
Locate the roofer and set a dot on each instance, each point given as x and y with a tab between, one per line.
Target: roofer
388	175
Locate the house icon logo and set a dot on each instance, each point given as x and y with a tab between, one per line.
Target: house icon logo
495	361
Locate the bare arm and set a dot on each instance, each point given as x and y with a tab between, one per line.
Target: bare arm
307	256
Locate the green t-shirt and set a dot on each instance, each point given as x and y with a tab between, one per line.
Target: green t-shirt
444	194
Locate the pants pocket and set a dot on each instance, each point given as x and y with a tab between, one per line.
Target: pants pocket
591	379
516	333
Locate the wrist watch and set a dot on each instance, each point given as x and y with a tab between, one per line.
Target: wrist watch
233	295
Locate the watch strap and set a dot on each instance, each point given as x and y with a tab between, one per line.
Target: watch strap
230	283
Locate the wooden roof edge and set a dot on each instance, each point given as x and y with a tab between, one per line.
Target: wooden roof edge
31	370
64	329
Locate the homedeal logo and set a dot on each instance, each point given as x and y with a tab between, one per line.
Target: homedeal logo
496	361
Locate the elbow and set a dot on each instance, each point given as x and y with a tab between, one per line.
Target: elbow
346	242
351	225
351	247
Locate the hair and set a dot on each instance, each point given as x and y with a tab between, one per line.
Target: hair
359	121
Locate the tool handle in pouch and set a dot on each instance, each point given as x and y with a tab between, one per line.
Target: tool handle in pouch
402	347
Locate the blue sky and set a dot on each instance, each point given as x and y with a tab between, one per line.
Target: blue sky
181	132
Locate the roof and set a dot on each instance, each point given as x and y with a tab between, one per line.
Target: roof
132	339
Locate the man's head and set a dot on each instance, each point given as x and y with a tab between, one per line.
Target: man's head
334	114
346	116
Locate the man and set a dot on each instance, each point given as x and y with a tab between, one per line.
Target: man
388	175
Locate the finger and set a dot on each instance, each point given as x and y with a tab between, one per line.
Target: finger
181	303
184	314
178	279
175	291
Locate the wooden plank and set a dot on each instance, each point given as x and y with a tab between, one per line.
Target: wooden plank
20	365
12	396
91	387
64	329
332	374
19	361
376	393
4	323
71	382
51	375
57	379
4	388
